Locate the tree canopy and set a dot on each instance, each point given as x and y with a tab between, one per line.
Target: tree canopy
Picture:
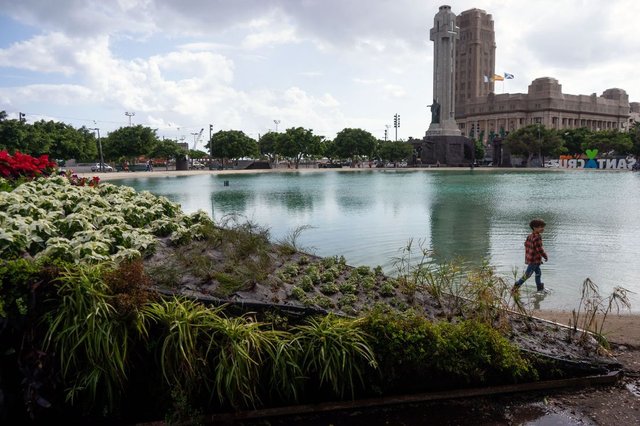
233	144
59	140
535	141
268	145
130	142
351	143
167	149
297	143
395	151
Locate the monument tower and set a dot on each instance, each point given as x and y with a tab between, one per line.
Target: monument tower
444	35
443	142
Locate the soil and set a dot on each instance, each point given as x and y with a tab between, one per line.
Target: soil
604	405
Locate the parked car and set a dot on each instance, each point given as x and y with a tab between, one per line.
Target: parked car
196	165
105	167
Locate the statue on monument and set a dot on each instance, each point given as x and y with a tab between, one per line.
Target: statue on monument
435	112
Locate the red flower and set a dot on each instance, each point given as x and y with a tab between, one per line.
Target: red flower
24	166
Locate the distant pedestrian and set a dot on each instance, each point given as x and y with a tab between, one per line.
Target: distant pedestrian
149	166
534	253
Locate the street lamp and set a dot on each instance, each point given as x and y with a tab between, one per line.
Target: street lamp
100	146
277	122
129	114
396	124
194	144
210	150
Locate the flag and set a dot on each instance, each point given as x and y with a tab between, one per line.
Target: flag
486	78
508	76
497	77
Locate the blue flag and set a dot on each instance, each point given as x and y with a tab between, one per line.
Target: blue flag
508	76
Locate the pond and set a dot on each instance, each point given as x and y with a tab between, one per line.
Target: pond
369	216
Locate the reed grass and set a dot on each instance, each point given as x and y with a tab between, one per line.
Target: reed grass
336	351
89	337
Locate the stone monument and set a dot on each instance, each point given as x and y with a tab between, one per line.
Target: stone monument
443	143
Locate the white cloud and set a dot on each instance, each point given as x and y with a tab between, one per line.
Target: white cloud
269	38
51	53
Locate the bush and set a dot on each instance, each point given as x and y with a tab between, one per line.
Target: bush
407	344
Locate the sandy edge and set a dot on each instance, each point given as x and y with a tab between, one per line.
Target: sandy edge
623	328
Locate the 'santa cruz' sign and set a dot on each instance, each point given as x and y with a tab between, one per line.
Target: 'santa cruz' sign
593	163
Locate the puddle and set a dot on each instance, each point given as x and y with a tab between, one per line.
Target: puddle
559	419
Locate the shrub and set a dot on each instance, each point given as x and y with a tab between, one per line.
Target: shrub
329	288
465	352
306	283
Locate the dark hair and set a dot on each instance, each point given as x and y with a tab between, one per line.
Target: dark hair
536	223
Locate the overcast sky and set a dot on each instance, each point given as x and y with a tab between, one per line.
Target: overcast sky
324	65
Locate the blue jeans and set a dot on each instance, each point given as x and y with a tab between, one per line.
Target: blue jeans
531	269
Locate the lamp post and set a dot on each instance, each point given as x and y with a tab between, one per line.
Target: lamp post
100	147
129	114
396	124
277	122
194	145
211	151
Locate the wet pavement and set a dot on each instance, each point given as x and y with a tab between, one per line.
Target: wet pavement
476	412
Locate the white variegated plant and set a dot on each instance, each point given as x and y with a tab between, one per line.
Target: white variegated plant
50	218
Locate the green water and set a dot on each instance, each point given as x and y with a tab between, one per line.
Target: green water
593	226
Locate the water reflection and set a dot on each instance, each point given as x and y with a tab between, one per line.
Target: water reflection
461	218
227	202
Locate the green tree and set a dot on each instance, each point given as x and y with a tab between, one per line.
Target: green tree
634	133
573	139
130	142
535	141
59	140
609	142
232	144
196	154
64	142
297	143
352	143
13	135
168	149
479	149
268	144
395	151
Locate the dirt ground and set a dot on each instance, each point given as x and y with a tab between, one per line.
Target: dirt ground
605	405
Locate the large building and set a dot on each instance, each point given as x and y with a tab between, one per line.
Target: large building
480	111
475	56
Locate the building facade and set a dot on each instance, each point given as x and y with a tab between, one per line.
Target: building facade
475	57
479	111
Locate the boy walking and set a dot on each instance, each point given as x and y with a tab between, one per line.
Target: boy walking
534	253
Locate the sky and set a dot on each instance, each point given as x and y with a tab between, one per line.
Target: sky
179	66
